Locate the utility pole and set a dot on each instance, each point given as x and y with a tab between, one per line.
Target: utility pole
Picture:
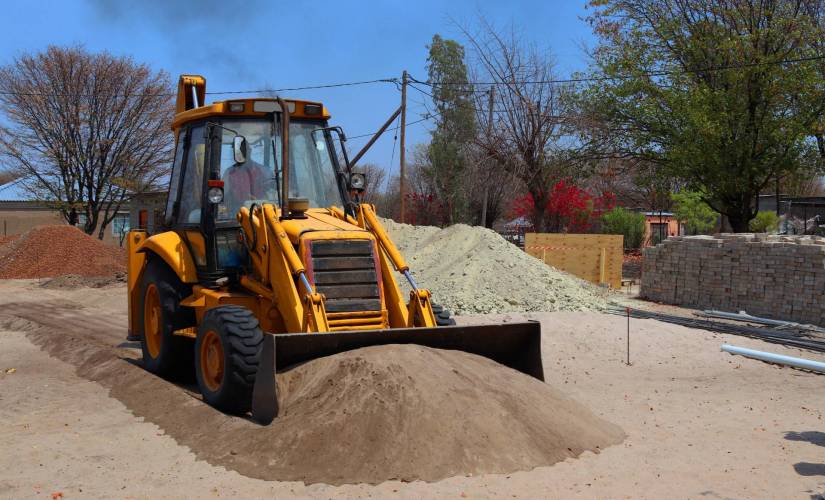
403	155
487	180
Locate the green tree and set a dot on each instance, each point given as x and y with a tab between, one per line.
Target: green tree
704	91
625	222
455	125
690	209
765	222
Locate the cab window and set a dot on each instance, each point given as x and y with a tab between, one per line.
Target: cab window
174	179
191	191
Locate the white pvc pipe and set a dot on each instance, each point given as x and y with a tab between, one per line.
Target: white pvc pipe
770	357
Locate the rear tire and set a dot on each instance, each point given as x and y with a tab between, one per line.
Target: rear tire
442	316
164	353
227	353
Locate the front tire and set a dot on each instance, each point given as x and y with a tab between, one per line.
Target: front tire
227	353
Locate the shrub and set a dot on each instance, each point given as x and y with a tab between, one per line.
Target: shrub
625	222
697	216
764	222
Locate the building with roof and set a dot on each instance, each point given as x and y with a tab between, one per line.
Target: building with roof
20	211
659	226
146	211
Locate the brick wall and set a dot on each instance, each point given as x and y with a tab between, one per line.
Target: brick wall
780	277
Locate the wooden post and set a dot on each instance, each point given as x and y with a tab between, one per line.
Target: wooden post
602	265
628	335
403	155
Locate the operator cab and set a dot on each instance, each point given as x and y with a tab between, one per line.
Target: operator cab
229	155
255	173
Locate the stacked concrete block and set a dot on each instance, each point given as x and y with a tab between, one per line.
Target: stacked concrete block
781	277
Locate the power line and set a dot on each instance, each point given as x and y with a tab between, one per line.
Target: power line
427	116
626	77
477	110
216	92
311	87
394	140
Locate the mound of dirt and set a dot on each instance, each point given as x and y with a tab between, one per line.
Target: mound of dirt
72	281
410	412
474	270
402	412
48	251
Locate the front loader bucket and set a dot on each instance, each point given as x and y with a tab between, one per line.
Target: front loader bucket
515	345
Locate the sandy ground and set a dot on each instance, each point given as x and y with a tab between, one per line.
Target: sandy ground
700	423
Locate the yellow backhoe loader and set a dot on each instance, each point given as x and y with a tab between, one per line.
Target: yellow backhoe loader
267	258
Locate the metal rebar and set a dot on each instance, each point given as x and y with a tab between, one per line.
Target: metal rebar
766	334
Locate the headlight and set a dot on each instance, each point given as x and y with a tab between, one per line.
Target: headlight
215	195
357	181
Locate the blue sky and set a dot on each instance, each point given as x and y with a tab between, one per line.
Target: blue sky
274	44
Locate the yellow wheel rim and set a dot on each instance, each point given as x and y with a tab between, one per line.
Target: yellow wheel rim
211	360
152	321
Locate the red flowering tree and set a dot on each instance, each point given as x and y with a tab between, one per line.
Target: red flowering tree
569	208
424	209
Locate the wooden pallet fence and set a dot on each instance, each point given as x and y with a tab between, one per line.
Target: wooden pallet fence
596	258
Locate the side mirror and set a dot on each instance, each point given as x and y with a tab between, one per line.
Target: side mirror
239	148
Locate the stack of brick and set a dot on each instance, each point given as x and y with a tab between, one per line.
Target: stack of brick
780	277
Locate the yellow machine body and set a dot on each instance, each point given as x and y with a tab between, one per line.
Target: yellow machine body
271	289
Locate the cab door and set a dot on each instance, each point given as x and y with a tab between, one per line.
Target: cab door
185	200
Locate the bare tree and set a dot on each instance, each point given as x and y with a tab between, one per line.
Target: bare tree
488	182
801	185
6	176
527	136
387	204
376	180
86	130
427	206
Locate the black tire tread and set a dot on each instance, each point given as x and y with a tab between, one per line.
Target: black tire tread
242	341
442	316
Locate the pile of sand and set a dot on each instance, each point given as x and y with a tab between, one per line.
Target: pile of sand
474	270
402	412
48	251
410	412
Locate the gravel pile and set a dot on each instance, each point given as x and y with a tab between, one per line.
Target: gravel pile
473	270
48	251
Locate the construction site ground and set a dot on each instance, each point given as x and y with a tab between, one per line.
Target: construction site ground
699	422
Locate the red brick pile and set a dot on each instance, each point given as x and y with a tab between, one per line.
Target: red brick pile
48	251
7	239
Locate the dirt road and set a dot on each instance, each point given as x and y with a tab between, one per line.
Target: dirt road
700	423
